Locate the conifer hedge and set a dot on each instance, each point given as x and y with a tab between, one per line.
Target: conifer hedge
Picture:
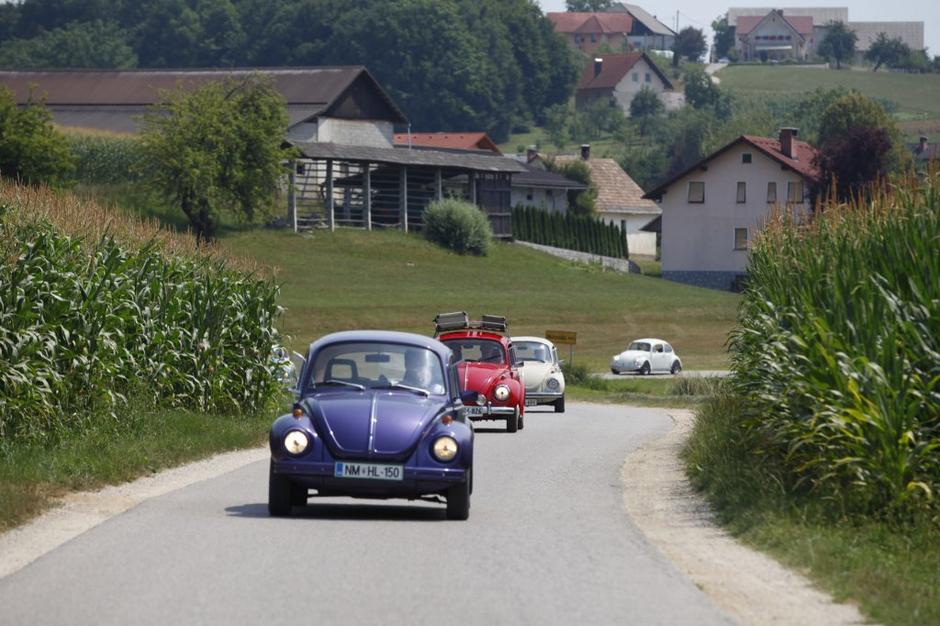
571	232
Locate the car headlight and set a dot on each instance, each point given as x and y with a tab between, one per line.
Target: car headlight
296	442
552	384
481	399
501	392
445	449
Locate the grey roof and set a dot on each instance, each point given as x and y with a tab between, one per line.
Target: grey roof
640	14
820	15
911	33
404	156
536	177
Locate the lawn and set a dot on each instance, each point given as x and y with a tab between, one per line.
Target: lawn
388	279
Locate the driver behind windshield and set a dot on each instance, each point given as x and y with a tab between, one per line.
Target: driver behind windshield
420	371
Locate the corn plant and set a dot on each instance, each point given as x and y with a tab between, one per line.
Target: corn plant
838	350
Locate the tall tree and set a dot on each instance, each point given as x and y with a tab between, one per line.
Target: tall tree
838	45
690	43
80	44
887	51
588	6
218	150
724	35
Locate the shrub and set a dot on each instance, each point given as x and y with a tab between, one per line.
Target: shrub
459	226
106	159
576	373
31	149
838	351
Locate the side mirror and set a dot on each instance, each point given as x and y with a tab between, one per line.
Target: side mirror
469	397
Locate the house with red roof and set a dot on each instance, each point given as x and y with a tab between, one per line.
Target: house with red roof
588	31
774	36
712	211
478	141
619	77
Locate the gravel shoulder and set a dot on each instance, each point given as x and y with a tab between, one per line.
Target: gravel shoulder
749	585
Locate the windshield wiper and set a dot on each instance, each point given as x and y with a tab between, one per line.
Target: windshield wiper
343	382
424	392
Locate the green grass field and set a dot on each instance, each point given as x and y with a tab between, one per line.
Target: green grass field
354	279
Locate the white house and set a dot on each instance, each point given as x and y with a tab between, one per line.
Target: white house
620	201
619	77
712	211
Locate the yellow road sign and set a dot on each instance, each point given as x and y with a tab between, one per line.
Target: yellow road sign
565	337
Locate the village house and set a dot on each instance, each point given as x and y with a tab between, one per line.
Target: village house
448	141
589	31
620	200
540	188
712	210
648	33
617	78
348	171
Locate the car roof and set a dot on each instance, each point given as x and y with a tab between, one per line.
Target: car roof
649	340
386	336
535	339
473	334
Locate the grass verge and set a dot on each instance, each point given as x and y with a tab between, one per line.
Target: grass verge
32	477
890	569
665	392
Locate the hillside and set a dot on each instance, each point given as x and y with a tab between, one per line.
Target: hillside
355	279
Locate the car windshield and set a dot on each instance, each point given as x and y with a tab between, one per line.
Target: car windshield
642	346
376	365
477	350
533	351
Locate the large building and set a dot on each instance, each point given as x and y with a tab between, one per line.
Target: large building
621	28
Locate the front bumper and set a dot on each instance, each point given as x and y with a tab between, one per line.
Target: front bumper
493	413
543	397
417	481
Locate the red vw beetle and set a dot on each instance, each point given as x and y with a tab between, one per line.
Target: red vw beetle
486	365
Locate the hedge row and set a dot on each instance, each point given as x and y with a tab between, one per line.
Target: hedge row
104	159
572	232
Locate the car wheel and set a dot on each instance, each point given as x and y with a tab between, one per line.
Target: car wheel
676	368
512	422
560	405
645	370
521	421
613	371
280	491
458	499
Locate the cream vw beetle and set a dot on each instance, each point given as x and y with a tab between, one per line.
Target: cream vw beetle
644	356
537	360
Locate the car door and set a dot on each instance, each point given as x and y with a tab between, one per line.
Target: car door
659	358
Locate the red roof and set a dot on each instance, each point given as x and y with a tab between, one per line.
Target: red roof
802	24
587	23
804	164
452	141
613	68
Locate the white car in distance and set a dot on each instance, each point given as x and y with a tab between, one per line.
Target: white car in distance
538	364
645	356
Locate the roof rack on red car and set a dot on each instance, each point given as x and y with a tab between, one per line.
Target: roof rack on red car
459	320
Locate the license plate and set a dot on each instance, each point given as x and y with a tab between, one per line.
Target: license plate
474	411
532	402
372	471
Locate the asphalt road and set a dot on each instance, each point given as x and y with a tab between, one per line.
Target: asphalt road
548	542
608	375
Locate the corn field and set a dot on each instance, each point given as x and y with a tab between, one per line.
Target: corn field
838	351
106	159
96	309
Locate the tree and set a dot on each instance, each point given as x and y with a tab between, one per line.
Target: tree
88	44
690	43
579	202
885	51
31	149
588	6
700	90
724	36
838	45
646	104
217	150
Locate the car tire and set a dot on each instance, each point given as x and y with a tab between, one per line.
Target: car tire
521	421
676	368
458	499
559	405
512	422
645	370
280	492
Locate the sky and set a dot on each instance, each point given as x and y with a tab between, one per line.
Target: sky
700	13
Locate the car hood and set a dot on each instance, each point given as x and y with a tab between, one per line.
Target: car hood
534	374
629	355
480	377
379	424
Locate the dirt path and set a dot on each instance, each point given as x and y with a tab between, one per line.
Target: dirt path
748	584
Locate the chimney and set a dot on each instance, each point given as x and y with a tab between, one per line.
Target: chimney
531	153
787	143
922	147
598	66
585	151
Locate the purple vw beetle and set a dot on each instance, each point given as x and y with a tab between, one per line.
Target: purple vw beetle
379	415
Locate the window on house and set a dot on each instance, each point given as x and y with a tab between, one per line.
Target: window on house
697	192
549	192
593	37
742	192
771	193
649	78
746	157
636	77
740	239
528	194
795	191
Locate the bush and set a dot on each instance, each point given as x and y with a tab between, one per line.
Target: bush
576	373
106	159
459	226
572	232
96	309
31	149
837	352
